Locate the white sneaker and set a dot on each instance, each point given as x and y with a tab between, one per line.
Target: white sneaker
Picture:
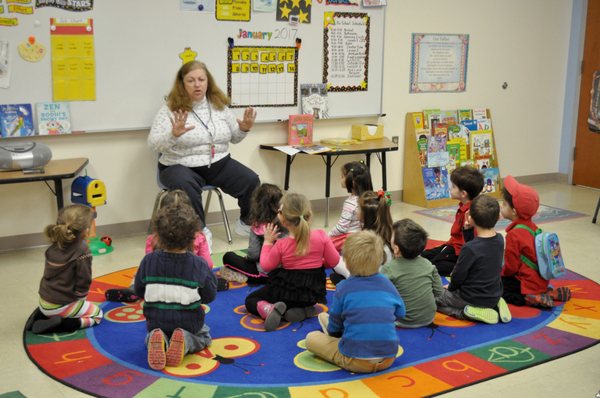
208	236
323	318
241	228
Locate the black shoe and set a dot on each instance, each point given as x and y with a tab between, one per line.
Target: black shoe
222	284
46	325
121	295
35	316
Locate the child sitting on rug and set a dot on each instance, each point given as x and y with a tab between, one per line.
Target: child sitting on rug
295	265
358	333
263	210
356	179
475	289
175	283
374	214
200	246
467	183
67	276
522	284
416	279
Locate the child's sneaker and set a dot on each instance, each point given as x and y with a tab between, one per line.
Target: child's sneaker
176	349
157	358
232	276
504	311
323	318
298	314
41	326
539	300
562	293
485	315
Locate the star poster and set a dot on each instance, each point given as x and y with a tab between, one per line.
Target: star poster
294	10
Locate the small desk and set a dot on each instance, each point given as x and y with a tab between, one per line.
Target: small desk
378	147
55	170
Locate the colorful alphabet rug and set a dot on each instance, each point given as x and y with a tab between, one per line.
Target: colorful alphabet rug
110	360
545	214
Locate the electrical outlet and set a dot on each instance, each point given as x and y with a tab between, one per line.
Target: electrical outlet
395	139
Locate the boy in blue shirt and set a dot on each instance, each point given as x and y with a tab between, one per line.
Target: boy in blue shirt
360	335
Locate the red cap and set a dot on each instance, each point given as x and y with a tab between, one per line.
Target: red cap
526	200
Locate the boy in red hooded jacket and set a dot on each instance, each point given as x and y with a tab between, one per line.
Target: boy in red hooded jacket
522	284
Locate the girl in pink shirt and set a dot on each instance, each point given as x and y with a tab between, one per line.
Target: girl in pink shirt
200	247
295	265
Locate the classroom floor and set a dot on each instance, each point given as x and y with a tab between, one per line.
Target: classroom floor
577	375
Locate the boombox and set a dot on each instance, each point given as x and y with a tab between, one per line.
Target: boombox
23	155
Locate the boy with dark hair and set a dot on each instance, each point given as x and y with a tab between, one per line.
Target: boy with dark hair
524	285
415	278
175	283
467	183
475	288
358	333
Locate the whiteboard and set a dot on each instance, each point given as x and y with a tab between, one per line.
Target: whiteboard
137	46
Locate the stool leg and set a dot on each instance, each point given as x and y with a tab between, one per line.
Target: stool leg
224	215
210	191
596	212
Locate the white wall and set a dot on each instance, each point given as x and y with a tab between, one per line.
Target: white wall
525	44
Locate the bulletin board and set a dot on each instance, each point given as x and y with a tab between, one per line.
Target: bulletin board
137	45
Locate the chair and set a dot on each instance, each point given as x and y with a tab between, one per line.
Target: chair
596	212
208	188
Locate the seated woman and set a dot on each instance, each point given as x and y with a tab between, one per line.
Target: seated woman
192	132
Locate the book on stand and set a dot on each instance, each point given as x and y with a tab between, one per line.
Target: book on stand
481	144
53	118
436	183
491	180
313	98
16	120
300	129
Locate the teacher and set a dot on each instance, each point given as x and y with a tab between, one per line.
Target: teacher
192	132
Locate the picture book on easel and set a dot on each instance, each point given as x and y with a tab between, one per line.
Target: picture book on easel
300	129
16	120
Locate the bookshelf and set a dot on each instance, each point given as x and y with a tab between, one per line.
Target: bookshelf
415	178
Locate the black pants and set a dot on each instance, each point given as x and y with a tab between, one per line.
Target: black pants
247	267
512	291
228	174
443	257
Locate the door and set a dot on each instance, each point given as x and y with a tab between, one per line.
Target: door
586	164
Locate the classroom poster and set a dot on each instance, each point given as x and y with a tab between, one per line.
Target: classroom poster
69	5
262	76
295	11
346	53
73	59
439	62
232	10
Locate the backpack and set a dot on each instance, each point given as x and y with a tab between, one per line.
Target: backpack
550	263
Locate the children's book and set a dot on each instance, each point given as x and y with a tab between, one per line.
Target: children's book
313	149
483	162
458	131
436	183
464	114
422	141
484	124
449	117
418	120
437	143
438	159
300	129
471	125
480	113
313	98
428	115
481	144
491	180
454	153
16	120
53	118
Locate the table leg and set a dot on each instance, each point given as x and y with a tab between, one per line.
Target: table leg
383	171
58	190
327	187
288	166
368	160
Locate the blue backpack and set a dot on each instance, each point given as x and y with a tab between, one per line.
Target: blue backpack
550	264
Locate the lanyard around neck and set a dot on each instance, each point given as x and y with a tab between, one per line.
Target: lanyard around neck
198	118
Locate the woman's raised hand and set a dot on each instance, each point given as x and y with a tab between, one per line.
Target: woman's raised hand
248	121
178	122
